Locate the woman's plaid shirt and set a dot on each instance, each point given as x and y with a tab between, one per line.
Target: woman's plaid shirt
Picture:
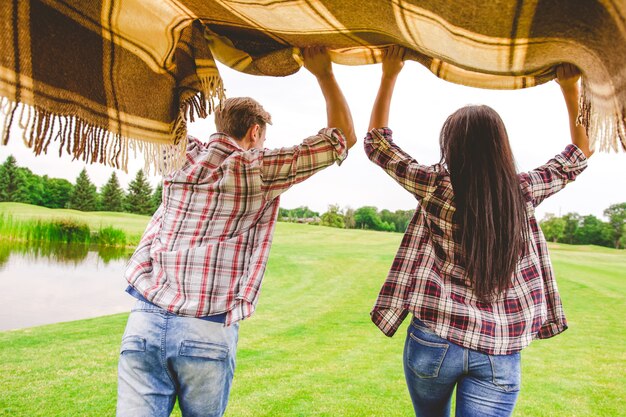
204	251
426	280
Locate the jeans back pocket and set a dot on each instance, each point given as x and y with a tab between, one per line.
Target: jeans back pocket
204	350
133	344
506	371
422	356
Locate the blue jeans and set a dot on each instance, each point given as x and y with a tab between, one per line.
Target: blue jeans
486	385
165	356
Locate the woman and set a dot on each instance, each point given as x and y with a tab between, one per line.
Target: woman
473	265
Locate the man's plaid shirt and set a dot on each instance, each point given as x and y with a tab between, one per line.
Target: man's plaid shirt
204	251
426	279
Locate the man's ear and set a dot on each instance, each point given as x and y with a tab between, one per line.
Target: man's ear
255	132
251	136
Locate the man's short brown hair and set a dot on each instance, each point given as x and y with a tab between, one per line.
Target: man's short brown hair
238	114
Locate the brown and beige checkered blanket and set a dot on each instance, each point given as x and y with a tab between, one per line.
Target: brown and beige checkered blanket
104	77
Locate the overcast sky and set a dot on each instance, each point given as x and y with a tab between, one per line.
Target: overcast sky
536	121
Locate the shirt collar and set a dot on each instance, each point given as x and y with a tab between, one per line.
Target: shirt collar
223	138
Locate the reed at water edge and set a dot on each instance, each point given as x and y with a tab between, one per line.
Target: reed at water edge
59	230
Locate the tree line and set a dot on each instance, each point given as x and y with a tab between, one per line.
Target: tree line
572	228
575	229
367	217
19	184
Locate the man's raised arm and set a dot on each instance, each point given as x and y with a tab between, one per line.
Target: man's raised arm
317	61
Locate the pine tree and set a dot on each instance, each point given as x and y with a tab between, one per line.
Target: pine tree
11	180
112	195
157	197
84	197
139	197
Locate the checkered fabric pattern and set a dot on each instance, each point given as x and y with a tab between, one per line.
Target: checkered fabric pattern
204	251
102	77
427	280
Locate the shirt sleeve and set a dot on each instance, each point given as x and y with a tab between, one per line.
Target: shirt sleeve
417	179
555	174
284	167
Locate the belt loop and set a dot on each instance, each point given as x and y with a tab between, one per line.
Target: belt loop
465	361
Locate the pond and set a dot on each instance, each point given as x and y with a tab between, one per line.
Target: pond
51	283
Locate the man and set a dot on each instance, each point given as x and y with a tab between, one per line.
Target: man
199	266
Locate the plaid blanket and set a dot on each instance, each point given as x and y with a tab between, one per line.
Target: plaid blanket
105	77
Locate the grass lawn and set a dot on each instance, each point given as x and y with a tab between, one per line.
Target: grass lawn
311	350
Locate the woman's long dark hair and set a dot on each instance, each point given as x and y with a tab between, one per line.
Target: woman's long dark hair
490	206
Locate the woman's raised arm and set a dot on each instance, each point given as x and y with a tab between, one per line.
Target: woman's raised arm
392	64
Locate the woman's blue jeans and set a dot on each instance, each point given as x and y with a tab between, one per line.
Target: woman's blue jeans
164	357
486	385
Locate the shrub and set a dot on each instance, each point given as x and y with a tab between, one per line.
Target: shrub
109	236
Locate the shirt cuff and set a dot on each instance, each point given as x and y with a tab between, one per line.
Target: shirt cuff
337	139
377	139
573	159
573	153
380	133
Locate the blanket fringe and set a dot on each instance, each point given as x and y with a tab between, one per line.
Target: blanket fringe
606	131
87	142
212	88
202	103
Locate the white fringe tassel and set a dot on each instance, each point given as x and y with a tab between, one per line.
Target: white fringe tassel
89	143
606	130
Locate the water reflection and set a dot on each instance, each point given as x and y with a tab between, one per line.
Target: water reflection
60	252
48	283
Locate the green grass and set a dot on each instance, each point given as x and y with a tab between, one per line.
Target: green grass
133	225
57	230
311	350
109	236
